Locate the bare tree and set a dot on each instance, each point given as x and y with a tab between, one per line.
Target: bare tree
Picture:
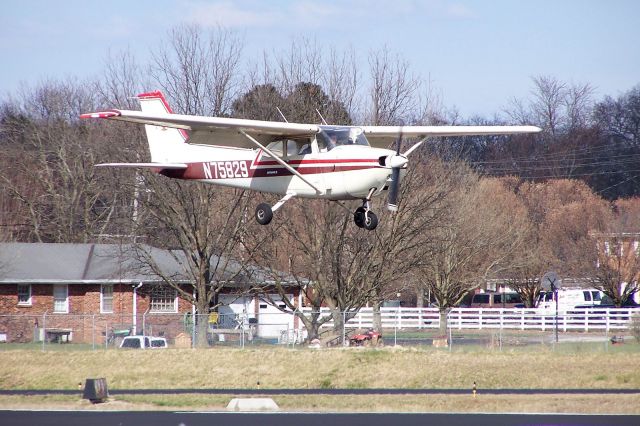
548	100
472	244
617	269
202	226
393	89
344	266
54	180
198	69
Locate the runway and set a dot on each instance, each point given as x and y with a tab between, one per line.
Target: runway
168	418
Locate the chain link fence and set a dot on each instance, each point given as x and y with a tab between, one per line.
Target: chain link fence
466	330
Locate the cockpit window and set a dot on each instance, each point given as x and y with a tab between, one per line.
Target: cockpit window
329	138
290	147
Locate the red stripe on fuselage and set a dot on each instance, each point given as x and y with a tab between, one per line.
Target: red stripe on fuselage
327	161
197	170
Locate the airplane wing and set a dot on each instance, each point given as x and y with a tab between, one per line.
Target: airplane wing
213	130
384	136
176	166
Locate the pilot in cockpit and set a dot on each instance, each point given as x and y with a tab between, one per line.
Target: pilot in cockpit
333	141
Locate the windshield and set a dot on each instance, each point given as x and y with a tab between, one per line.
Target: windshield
331	137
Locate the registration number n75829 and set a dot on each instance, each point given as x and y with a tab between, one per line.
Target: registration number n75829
226	169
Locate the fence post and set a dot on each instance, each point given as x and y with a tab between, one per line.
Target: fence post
44	330
194	321
344	328
93	332
395	328
242	327
450	332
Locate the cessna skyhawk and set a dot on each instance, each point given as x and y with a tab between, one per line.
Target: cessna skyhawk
289	159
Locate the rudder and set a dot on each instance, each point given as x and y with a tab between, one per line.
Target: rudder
164	142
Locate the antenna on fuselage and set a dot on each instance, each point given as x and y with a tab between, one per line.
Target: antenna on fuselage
322	118
282	115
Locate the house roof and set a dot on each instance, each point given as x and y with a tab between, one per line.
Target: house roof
59	263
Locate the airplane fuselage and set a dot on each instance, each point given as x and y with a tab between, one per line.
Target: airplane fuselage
344	173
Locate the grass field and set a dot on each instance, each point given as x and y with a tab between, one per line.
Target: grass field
332	368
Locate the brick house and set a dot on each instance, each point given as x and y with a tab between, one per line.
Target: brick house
89	287
618	262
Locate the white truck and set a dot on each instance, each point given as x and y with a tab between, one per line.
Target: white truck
569	298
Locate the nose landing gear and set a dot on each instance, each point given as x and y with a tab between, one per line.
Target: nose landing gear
363	216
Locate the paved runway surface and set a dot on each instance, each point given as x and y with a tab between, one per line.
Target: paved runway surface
157	418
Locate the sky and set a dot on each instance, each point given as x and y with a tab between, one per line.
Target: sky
477	54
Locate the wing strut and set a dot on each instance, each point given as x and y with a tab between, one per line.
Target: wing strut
281	161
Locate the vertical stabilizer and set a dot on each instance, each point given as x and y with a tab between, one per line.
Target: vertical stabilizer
165	144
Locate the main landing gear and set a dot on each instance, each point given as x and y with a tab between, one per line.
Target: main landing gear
264	212
363	216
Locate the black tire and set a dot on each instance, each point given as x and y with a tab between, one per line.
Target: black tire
370	221
358	217
264	214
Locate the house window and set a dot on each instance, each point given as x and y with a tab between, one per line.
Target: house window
61	299
24	294
636	248
164	299
607	248
106	298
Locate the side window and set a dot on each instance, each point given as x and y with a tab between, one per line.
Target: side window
497	299
24	294
298	147
106	298
596	295
480	299
587	296
60	298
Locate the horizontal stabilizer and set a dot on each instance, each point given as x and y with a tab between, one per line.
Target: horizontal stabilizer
145	165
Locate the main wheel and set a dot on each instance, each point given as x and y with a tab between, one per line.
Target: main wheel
358	217
370	221
264	214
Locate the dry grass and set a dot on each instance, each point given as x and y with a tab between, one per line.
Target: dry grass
587	404
339	368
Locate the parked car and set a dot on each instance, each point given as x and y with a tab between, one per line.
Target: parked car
496	300
143	342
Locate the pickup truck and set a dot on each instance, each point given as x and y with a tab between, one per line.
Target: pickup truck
143	342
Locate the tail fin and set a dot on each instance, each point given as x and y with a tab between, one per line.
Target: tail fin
164	143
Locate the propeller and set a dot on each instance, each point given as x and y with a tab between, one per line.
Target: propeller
396	162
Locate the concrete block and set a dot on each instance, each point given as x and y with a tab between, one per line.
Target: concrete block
252	404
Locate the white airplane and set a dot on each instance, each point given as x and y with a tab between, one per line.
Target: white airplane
293	160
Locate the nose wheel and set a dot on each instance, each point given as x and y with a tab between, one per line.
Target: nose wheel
365	218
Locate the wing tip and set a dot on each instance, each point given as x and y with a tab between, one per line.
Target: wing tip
101	114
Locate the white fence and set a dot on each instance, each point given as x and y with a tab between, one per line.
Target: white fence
478	319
